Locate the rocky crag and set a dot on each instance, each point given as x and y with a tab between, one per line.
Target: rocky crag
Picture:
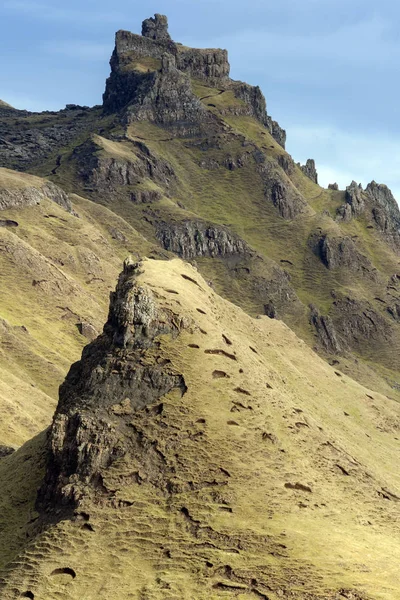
135	491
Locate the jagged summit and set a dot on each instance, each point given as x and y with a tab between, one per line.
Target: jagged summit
152	78
156	28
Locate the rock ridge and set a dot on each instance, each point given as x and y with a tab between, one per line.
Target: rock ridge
120	373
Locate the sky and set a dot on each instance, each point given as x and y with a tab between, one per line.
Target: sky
330	69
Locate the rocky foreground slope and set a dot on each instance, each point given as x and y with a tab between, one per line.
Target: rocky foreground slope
199	453
196	451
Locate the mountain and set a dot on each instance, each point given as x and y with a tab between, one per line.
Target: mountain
233	432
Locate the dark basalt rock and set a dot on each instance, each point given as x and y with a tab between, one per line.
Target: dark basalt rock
256	107
310	170
385	208
156	28
25	143
340	252
355	204
191	239
325	330
31	196
285	198
357	322
114	379
107	174
151	79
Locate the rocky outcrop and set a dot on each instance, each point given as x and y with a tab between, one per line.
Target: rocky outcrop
333	186
340	252
256	107
357	322
355	204
209	65
191	239
167	98
287	163
156	28
106	174
325	331
119	374
385	209
151	78
310	170
26	140
285	198
379	206
31	196
152	75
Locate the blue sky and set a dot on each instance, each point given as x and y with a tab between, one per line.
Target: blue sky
329	68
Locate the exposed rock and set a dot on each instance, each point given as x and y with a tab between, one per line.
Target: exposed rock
285	198
167	98
256	105
151	75
20	198
57	195
30	142
333	186
31	196
310	170
339	252
385	208
209	65
107	174
87	330
325	331
156	28
145	196
89	430
277	132
357	322
287	163
355	204
189	239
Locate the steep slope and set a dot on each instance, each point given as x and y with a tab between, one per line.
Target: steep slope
199	453
59	256
193	161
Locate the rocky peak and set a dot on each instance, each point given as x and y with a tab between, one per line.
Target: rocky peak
355	204
310	170
156	28
385	208
120	373
141	68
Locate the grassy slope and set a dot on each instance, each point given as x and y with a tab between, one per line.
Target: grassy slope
57	270
247	534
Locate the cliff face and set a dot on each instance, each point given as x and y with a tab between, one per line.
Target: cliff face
151	77
113	380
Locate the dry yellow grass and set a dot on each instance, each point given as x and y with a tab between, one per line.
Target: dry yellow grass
287	476
56	271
